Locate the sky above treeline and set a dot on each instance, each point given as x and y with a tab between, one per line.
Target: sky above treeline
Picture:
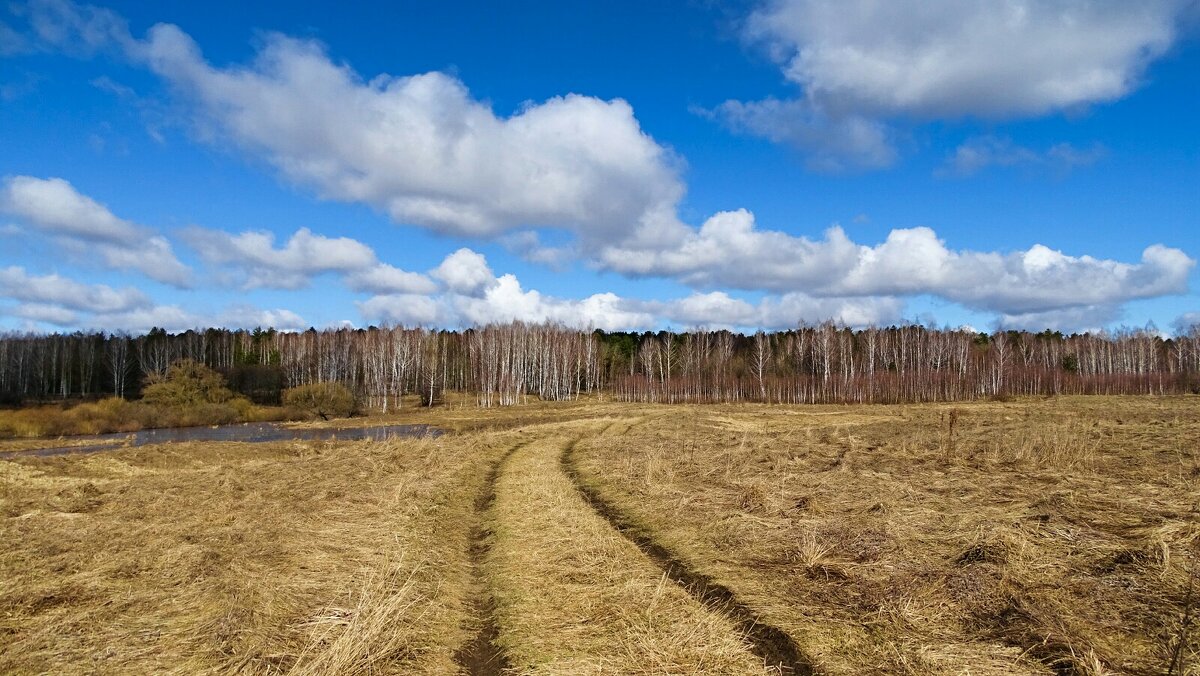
626	165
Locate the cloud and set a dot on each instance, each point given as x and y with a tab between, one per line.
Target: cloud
1041	279
502	299
175	319
53	289
70	304
155	113
169	317
88	228
949	58
981	152
384	278
792	308
507	300
730	251
55	206
712	310
716	310
255	262
12	42
78	30
831	143
46	314
403	309
471	294
727	250
289	267
466	272
482	298
862	64
247	316
423	150
528	245
420	148
1081	319
1186	323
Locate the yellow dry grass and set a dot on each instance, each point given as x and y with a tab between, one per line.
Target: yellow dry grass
301	557
993	537
1043	534
575	597
116	415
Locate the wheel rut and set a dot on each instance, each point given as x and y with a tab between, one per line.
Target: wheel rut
481	656
770	643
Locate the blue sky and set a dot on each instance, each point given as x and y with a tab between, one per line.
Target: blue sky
624	165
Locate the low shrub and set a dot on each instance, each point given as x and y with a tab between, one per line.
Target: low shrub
186	383
110	415
187	395
324	400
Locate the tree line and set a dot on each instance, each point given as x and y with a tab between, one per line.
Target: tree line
507	364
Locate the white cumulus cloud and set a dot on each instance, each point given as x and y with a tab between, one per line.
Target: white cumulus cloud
1084	318
54	207
860	64
490	299
46	314
940	58
730	251
403	309
466	272
248	316
53	289
420	148
256	262
70	304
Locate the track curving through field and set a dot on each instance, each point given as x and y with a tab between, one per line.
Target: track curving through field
772	644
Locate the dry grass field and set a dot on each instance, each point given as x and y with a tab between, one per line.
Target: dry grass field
1032	536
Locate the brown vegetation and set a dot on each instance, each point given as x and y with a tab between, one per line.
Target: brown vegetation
187	394
322	400
1037	535
1028	536
314	558
574	596
119	415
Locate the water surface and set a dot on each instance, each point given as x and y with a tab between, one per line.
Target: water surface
246	432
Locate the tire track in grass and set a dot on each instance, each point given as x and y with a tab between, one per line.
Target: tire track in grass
772	644
481	656
574	595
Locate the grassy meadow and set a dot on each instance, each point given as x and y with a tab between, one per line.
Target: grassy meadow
1033	536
